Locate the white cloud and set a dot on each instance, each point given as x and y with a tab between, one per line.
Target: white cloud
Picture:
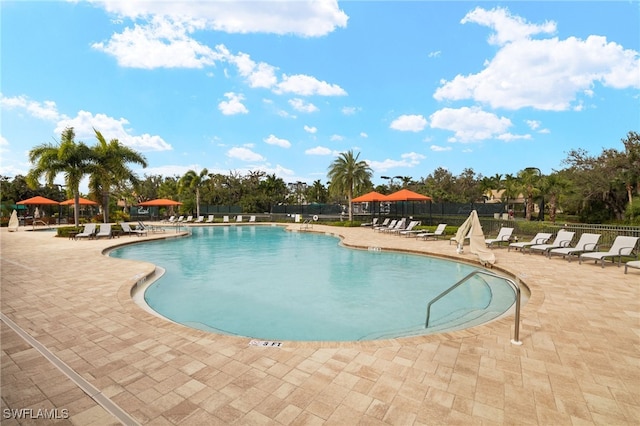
3	141
410	159
305	85
546	74
469	124
409	123
506	26
302	106
310	129
435	54
319	150
244	154
46	110
363	135
273	140
533	124
438	148
303	18
234	105
111	128
350	110
508	137
257	74
336	138
160	43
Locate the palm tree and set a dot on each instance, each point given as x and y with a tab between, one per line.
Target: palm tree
347	175
71	158
194	181
111	169
555	185
529	181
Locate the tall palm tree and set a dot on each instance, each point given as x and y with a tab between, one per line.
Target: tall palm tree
111	159
194	181
347	174
530	182
555	186
73	159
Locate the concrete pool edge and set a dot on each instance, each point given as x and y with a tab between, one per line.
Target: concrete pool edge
504	322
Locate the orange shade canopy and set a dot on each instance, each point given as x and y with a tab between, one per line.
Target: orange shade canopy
407	195
372	196
160	202
82	201
38	200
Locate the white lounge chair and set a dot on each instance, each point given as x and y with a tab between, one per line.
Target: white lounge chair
374	222
200	219
540	238
622	246
632	264
563	239
435	234
252	218
239	218
170	220
586	243
126	228
104	231
408	231
504	236
225	219
400	225
88	232
180	219
210	219
384	224
189	219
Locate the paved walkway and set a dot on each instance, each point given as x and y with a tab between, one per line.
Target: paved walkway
579	362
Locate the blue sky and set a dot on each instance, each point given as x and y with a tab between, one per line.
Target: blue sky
284	86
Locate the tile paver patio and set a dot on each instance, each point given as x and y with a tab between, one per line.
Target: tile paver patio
579	362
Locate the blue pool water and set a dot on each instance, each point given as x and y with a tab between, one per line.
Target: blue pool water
266	283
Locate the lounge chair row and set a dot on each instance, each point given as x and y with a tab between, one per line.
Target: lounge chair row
201	219
585	249
91	231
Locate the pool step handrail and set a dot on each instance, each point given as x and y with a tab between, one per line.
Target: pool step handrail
513	284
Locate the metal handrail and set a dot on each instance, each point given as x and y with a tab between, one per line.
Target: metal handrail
513	284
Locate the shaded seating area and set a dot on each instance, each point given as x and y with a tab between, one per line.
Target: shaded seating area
587	242
622	246
504	236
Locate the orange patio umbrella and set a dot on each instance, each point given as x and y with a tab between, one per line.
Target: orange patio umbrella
160	202
407	195
81	201
370	197
38	201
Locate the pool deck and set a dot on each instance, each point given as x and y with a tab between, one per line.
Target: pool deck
579	362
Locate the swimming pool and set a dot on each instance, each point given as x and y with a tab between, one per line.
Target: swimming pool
267	283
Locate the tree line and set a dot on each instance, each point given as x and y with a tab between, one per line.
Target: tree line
601	188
